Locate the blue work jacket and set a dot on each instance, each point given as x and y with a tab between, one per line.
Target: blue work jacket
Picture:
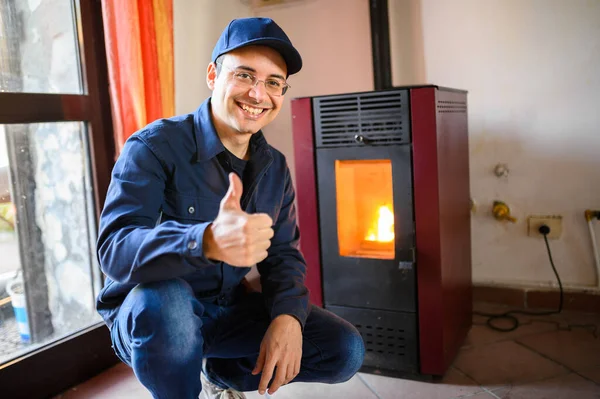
165	190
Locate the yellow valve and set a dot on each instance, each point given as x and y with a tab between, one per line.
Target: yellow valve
590	214
501	211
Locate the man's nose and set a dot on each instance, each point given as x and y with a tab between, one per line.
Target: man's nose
258	90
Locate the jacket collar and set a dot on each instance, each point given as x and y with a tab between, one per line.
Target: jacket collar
208	144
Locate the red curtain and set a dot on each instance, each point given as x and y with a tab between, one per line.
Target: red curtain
139	48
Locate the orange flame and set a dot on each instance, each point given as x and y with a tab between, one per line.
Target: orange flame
382	229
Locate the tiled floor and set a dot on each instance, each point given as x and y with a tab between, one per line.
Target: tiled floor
554	357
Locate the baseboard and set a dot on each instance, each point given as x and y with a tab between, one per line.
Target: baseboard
536	298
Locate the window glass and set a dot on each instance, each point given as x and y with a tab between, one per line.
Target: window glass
38	47
48	271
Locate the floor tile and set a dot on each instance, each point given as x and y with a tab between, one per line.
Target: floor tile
481	395
591	374
118	382
577	349
454	384
570	386
575	320
482	335
505	363
563	319
497	309
352	389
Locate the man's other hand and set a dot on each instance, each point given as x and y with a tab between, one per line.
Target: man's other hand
236	237
280	350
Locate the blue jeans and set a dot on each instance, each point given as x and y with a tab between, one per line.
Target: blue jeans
163	331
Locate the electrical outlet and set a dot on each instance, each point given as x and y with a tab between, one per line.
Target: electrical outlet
552	221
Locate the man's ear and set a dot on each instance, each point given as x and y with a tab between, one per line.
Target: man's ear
211	75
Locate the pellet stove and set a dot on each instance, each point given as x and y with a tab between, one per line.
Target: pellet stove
382	181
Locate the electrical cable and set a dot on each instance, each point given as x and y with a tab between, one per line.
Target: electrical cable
544	230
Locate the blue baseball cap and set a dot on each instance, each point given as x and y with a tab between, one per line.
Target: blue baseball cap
258	32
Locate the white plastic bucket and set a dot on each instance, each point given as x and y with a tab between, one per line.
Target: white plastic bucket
16	291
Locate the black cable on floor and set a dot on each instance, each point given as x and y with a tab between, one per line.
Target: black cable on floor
544	230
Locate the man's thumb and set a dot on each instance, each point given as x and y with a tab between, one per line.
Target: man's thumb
232	198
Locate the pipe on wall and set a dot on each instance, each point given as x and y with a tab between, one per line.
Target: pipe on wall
380	42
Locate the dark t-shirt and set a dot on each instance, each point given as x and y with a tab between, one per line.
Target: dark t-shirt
238	165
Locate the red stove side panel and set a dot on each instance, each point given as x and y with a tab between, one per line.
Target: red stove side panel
427	229
306	195
455	219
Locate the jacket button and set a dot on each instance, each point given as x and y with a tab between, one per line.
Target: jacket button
191	209
192	244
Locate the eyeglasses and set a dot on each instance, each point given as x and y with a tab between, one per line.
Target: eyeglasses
275	87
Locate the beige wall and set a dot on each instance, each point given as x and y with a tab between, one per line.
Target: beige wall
197	24
406	42
532	71
532	68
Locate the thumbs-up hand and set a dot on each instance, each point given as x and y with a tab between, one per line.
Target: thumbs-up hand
231	200
236	237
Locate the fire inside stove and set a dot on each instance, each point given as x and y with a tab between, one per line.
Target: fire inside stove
383	226
365	211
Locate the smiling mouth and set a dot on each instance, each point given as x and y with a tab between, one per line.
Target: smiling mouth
252	111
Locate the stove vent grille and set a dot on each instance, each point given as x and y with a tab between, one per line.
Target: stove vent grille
376	118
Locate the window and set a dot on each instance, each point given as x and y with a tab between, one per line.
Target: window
56	148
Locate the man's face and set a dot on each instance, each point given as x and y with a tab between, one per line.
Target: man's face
240	109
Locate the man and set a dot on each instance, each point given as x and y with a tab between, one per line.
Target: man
194	202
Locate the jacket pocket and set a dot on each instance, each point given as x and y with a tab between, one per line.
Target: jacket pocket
189	209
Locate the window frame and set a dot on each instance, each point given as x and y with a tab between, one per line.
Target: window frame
61	364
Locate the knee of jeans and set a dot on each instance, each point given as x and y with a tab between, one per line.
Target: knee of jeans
351	354
168	314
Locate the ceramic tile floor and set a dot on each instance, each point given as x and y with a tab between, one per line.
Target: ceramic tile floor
555	357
